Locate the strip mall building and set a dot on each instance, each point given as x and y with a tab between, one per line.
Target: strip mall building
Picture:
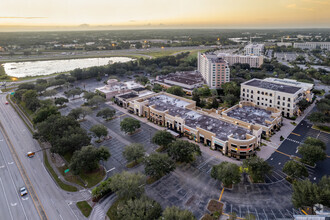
230	132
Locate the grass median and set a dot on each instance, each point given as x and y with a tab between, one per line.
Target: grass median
85	208
55	177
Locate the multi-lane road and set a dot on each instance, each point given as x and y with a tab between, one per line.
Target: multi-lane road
45	200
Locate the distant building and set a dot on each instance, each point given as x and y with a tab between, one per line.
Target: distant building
114	87
312	45
286	44
283	94
187	80
214	70
254	49
253	61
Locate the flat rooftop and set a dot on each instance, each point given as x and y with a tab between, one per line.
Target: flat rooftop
251	115
193	119
272	86
128	95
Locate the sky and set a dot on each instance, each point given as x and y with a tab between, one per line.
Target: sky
114	14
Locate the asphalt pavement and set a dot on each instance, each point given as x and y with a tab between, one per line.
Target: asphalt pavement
12	205
58	204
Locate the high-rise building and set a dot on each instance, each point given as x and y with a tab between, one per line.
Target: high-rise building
214	70
253	61
254	49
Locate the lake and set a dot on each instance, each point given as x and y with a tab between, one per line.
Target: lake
38	68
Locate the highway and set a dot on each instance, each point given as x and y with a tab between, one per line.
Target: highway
12	205
50	202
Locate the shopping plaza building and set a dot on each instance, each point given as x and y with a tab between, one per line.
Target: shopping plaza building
235	132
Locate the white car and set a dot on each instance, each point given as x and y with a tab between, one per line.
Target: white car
23	191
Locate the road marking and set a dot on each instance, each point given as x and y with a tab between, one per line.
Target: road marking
10	162
25	198
111	169
13	204
279	163
221	194
11	215
2	166
296	134
304	212
271	158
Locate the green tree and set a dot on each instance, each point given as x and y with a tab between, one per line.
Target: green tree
43	113
295	170
303	104
133	152
75	113
157	88
102	189
305	193
176	90
40	88
315	142
197	99
311	153
230	99
231	88
99	131
203	91
50	92
324	187
158	165
257	168
96	101
215	103
162	138
227	173
60	101
86	111
183	151
87	159
27	86
129	125
173	213
89	95
30	99
106	113
142	208
73	92
128	185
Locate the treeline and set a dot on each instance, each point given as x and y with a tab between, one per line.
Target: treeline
161	65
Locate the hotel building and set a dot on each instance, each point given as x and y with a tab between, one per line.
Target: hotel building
254	49
253	61
214	70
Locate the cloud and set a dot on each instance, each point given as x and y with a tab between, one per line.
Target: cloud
291	6
320	2
22	17
132	21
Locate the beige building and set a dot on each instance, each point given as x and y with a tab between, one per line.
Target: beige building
253	61
254	49
214	70
237	137
283	94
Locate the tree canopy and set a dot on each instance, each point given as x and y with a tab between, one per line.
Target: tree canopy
158	165
87	159
99	130
257	168
183	151
227	173
129	125
133	152
176	90
106	113
162	138
295	170
173	213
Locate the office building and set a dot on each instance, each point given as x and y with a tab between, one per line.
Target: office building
214	70
283	94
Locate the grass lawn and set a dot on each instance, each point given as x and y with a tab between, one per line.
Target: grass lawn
55	177
85	208
91	178
322	128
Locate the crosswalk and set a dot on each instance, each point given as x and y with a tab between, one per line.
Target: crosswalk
99	212
86	194
297	142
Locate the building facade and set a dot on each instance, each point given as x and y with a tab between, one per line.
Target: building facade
254	49
312	45
283	94
214	70
253	61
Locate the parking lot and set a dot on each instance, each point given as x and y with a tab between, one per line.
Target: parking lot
191	186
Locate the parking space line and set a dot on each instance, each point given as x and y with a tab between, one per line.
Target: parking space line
296	134
256	213
265	214
273	213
